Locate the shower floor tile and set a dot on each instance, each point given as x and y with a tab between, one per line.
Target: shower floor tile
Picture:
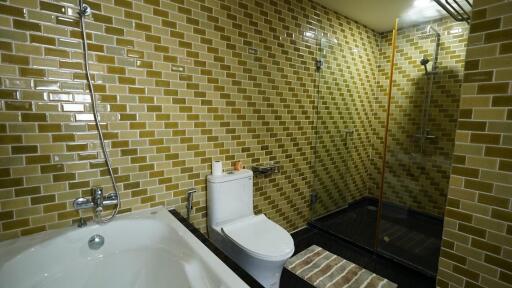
410	236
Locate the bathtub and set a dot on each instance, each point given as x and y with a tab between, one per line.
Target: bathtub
150	249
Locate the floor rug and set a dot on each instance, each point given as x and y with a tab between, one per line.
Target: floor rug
326	270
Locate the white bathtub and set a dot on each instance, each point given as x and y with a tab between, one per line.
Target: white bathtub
148	249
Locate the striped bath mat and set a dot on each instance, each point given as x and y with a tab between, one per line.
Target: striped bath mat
326	270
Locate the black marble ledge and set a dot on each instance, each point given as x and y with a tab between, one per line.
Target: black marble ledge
246	277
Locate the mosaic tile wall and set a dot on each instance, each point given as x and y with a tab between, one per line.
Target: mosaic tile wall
416	177
477	238
180	84
347	84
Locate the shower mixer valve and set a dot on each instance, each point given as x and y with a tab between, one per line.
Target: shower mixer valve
97	201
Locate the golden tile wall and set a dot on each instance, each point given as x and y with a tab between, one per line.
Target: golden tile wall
418	178
179	86
477	238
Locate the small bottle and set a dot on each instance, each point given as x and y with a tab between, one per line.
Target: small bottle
238	165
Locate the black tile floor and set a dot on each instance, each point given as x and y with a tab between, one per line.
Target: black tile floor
403	276
406	234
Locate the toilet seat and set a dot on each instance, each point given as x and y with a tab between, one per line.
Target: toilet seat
260	237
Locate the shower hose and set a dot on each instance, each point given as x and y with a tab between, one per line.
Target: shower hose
83	11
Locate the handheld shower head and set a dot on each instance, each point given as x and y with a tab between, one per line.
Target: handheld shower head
424	61
84	10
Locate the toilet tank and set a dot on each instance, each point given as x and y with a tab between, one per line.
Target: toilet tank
229	196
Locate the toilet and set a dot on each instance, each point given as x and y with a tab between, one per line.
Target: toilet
257	244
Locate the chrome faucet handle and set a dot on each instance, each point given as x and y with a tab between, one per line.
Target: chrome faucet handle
82	203
110	199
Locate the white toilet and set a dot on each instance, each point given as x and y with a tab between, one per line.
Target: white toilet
257	244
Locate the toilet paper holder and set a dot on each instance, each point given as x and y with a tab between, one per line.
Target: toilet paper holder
265	169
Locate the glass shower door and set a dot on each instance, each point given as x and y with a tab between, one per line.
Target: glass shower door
330	138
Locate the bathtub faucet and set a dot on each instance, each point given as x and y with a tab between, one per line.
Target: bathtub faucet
97	201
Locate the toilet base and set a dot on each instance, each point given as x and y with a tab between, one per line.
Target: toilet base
266	272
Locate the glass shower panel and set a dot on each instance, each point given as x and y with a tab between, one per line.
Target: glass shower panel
331	120
342	147
424	110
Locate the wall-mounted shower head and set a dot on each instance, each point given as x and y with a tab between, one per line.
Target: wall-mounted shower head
429	33
325	42
432	29
424	61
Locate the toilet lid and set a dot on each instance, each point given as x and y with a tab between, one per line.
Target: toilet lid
260	237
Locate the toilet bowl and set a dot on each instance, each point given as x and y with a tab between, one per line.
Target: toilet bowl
257	244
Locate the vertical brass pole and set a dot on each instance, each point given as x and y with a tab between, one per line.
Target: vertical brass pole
386	128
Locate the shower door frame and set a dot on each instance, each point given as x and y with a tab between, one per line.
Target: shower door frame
386	130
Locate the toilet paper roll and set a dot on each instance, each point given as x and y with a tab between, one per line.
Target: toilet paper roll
217	168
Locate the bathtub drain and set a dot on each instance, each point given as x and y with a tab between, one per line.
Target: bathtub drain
96	242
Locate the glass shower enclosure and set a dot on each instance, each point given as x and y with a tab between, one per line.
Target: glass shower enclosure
402	218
